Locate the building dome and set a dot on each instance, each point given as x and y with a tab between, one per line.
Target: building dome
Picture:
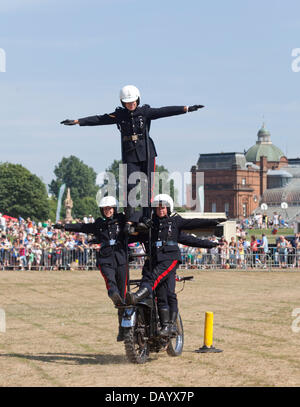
264	147
264	135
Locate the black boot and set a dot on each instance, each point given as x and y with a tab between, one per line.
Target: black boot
141	227
116	299
144	225
164	316
173	325
134	298
120	336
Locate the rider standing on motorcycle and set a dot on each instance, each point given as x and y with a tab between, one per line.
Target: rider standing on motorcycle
166	257
133	121
112	256
166	295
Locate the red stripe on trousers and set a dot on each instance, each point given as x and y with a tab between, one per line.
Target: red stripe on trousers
126	282
105	279
164	274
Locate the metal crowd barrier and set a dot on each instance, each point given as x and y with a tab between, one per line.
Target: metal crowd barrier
69	259
273	259
63	259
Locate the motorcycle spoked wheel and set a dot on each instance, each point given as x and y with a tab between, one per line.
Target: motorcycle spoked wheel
136	346
175	346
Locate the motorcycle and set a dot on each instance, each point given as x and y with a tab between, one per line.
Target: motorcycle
141	326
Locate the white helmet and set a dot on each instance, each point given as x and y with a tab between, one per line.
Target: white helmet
129	93
108	201
163	198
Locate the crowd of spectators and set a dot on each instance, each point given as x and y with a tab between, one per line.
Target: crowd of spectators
263	221
25	244
243	253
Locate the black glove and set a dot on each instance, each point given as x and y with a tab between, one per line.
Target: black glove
220	220
215	244
194	108
68	122
216	221
58	226
147	221
93	241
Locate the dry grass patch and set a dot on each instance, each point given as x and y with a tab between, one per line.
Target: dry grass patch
61	331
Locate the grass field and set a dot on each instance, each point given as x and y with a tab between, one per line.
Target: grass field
61	331
268	232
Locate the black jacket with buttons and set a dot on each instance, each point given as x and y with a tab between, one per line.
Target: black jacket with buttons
105	231
133	124
168	231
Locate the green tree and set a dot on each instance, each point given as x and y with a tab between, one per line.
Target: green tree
22	193
81	179
53	206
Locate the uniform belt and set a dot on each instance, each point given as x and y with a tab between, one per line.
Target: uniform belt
134	137
112	242
161	243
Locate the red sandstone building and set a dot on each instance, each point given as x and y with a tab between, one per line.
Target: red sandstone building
235	182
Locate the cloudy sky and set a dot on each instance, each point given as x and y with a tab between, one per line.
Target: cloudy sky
69	59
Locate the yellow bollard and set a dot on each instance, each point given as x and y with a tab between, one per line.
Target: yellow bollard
208	329
208	335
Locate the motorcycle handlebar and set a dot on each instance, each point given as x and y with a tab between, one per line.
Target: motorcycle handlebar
178	278
187	278
131	282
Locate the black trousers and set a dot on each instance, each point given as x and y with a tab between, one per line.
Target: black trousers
162	280
115	277
141	167
165	293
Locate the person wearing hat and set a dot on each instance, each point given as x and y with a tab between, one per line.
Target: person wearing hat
159	276
112	256
133	122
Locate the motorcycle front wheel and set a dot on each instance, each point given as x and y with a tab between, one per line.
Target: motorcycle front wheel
175	346
136	344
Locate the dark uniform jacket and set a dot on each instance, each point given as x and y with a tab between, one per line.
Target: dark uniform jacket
166	233
109	234
133	126
193	241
